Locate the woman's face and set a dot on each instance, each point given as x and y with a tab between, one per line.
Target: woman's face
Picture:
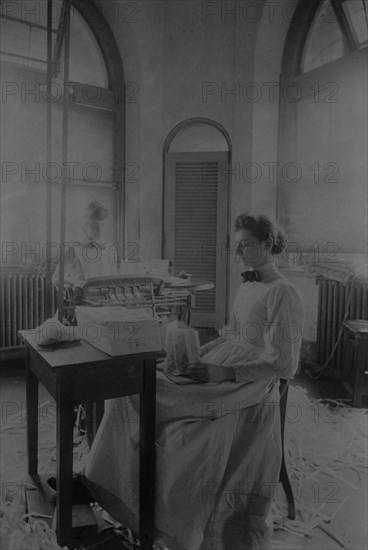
250	251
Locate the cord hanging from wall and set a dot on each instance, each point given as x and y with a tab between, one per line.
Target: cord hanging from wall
49	288
66	27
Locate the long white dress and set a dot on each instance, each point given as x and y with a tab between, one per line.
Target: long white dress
218	448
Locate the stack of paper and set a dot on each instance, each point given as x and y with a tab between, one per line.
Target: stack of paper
182	348
120	331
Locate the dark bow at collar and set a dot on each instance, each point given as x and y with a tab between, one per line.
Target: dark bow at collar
250	276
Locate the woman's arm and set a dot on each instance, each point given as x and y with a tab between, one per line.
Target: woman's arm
221	338
282	336
249	372
206	348
206	372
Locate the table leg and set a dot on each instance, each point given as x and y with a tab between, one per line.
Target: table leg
64	465
99	412
147	456
93	414
32	417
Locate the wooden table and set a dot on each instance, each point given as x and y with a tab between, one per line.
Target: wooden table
76	373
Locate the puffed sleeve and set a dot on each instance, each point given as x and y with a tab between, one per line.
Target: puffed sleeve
284	330
282	336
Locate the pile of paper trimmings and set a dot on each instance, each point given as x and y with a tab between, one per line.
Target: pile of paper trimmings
20	535
322	437
16	533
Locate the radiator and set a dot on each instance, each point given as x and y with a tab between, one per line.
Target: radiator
22	305
337	301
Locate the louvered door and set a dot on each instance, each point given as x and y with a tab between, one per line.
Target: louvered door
195	227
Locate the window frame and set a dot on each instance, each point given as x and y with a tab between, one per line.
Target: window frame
300	26
291	74
111	99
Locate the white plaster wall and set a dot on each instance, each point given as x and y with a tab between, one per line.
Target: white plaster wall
174	53
203	71
268	52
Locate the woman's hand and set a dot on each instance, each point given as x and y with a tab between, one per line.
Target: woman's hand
205	372
206	348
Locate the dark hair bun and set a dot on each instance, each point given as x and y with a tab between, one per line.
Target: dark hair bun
279	243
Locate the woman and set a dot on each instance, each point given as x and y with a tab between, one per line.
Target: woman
92	257
267	315
218	448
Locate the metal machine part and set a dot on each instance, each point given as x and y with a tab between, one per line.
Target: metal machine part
130	292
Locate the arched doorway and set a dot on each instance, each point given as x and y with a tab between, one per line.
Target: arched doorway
196	201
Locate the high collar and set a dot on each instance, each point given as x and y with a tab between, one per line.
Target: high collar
267	272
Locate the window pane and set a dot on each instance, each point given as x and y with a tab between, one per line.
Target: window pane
23	45
14	37
32	12
356	12
325	41
91	144
86	62
90	147
24	42
324	189
38	44
28	204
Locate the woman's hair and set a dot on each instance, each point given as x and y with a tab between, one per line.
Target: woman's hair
263	229
96	212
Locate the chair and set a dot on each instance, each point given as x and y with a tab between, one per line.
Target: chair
284	478
355	373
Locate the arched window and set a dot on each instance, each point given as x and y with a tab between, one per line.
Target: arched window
95	138
321	47
323	129
338	27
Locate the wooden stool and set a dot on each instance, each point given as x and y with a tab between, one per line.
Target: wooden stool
355	368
